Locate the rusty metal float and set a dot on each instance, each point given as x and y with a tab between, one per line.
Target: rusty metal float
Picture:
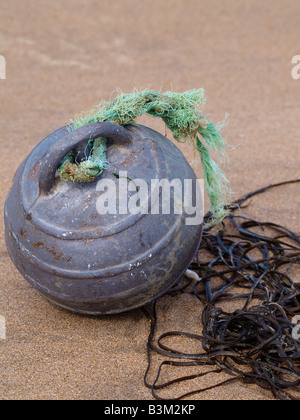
89	262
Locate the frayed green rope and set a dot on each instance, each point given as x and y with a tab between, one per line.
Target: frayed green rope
181	114
87	170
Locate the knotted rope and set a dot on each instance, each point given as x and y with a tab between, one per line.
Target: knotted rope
181	114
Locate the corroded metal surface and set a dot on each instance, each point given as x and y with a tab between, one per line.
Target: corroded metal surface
88	262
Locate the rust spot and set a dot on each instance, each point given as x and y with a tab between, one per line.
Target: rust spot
52	250
23	233
37	245
127	160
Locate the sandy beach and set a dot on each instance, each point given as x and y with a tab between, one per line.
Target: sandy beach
65	57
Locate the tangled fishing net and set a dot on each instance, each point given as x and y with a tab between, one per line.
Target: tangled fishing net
181	112
257	342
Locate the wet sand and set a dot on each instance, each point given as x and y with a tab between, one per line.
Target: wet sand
64	57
